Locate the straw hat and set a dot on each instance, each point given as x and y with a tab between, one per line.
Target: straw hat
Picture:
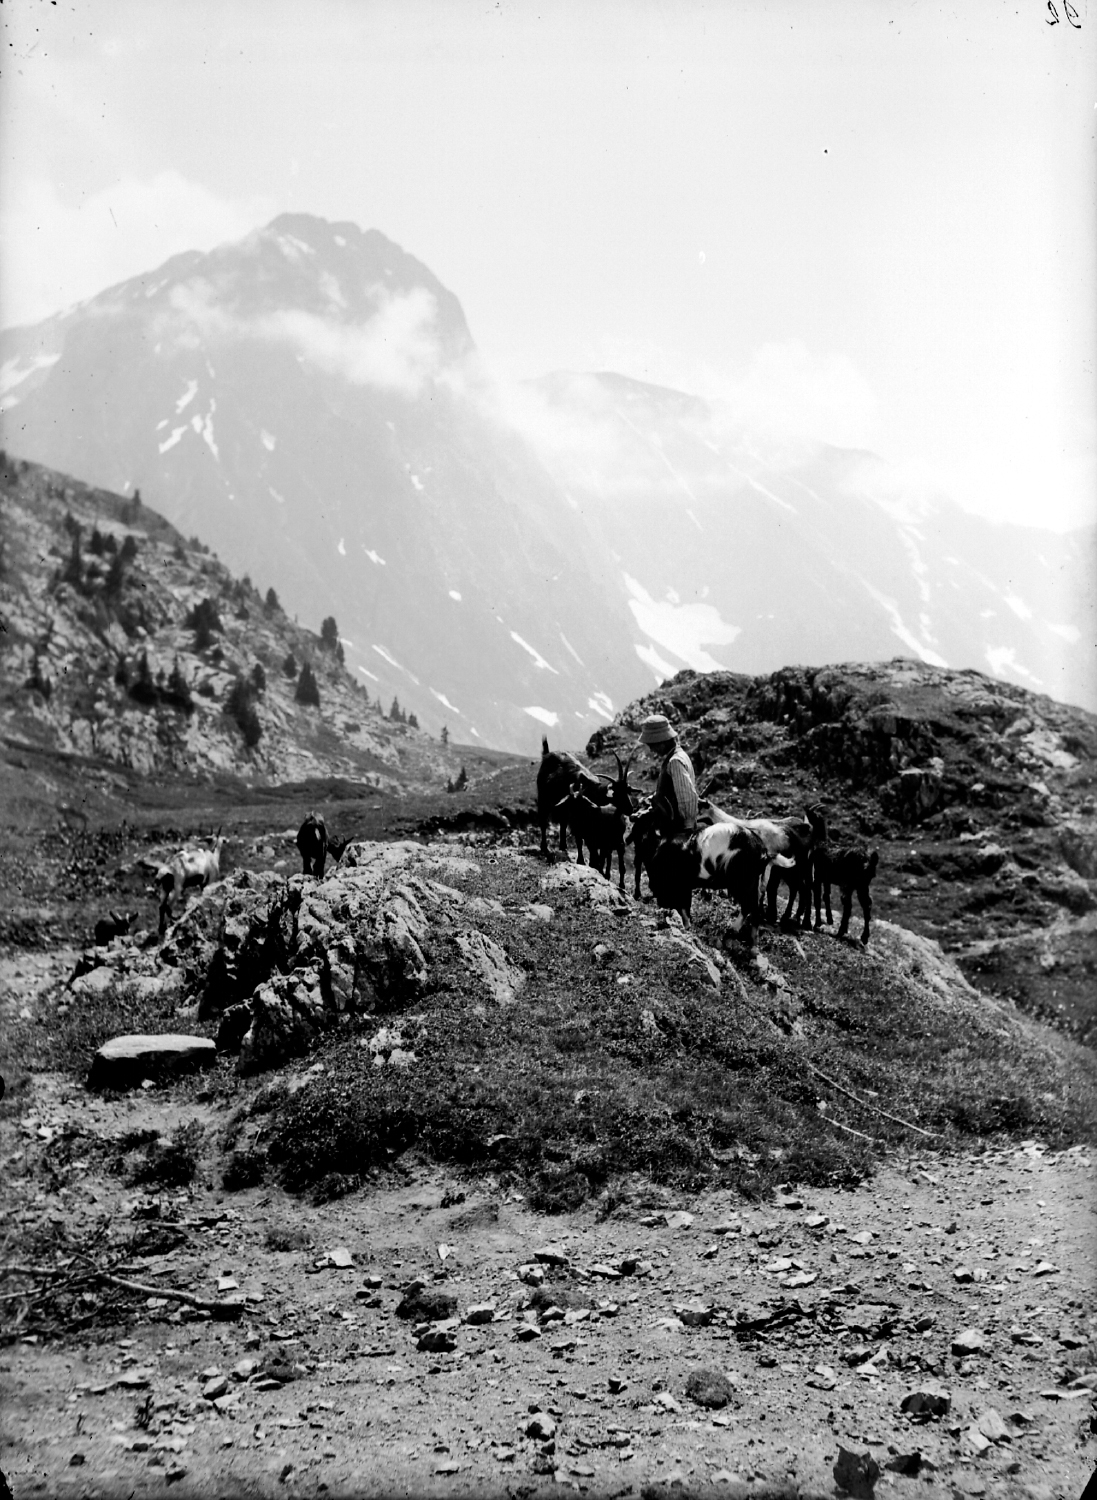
657	729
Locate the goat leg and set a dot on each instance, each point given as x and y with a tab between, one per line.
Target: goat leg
866	907
847	911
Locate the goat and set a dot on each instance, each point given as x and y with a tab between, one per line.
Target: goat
187	867
114	924
600	825
312	844
794	839
724	856
556	778
851	869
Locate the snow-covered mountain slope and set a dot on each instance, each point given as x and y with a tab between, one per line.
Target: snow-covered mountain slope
309	402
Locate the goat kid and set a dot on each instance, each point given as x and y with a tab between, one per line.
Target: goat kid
188	867
852	870
114	924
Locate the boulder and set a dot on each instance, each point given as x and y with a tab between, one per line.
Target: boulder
422	1304
126	1061
856	1473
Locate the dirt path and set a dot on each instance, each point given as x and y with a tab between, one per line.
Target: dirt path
867	1311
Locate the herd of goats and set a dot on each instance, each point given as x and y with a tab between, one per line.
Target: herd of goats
748	858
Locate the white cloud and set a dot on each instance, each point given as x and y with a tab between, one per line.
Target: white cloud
54	253
396	349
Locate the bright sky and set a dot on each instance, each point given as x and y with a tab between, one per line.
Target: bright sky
872	222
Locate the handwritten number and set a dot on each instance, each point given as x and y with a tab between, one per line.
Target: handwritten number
1072	15
1054	15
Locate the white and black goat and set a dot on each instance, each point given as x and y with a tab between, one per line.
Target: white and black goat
187	867
722	857
790	844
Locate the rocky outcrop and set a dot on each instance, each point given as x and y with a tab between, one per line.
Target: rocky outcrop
276	962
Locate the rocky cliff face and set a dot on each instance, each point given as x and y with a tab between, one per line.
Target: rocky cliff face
127	644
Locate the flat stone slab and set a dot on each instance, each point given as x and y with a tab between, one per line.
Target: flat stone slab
126	1061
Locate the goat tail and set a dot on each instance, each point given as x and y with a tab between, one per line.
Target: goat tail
544	746
873	861
783	861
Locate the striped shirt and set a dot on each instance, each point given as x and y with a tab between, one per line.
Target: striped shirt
678	785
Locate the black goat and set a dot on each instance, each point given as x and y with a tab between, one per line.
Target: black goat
114	924
557	776
315	843
851	869
600	825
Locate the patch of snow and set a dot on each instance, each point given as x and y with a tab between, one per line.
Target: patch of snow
417	483
162	423
293	248
1069	633
13	374
571	648
374	557
906	635
340	241
1018	606
473	730
209	370
651	658
176	434
445	701
331	289
455	595
280	498
204	427
538	660
910	539
367	673
682	629
601	705
542	715
187	397
267	439
394	663
674	596
1003	660
988	614
341	549
390	425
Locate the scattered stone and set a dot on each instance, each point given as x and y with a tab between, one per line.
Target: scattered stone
607	1272
694	1314
339	1257
823	1378
963	1274
531	1275
426	1304
126	1061
910	1464
971	1341
926	1401
1045	1268
992	1427
436	1341
214	1388
925	1323
481	1312
709	1388
816	1221
856	1473
617	1384
976	1441
541	1427
552	1255
527	1332
680	1220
